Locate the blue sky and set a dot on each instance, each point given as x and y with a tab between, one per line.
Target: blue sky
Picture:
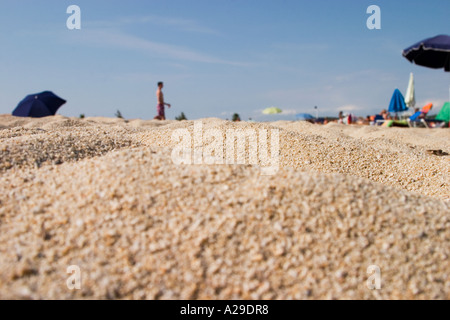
217	57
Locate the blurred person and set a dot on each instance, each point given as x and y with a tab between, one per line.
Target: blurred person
161	104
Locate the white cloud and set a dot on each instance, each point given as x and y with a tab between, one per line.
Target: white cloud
301	47
349	108
116	38
177	23
147	77
365	75
290	112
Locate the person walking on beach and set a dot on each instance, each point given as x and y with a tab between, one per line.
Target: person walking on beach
161	104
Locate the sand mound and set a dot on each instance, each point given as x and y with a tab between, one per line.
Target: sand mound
10	121
104	120
29	148
371	154
139	226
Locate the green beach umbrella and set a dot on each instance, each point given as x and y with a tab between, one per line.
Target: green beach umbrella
444	114
272	110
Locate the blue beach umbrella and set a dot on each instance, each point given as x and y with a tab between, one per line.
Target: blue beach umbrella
39	105
397	102
304	117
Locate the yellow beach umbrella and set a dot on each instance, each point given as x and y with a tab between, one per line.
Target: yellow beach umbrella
272	110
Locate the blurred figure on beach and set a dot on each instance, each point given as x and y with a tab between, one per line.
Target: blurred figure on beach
379	119
422	115
161	104
341	117
385	114
346	118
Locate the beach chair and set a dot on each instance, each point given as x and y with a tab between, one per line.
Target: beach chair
379	120
418	118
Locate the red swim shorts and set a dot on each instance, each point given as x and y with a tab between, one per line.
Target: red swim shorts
160	108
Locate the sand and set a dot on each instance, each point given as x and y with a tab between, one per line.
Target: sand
105	195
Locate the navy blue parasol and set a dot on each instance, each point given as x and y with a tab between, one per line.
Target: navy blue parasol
432	53
39	105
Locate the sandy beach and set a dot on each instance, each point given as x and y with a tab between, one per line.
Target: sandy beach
105	195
